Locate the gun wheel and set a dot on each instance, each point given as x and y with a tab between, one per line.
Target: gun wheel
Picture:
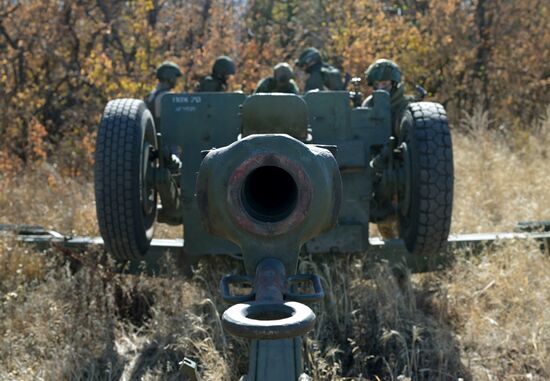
125	161
425	200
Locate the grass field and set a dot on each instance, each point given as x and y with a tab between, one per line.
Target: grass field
486	318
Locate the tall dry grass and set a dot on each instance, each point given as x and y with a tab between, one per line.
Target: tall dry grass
43	197
501	177
501	303
486	318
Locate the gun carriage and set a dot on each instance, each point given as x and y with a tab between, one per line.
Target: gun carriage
264	178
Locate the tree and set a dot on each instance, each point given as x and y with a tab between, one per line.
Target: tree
61	61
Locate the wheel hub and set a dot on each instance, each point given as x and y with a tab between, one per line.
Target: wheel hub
148	199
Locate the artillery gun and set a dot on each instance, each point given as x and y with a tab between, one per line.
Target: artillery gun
264	178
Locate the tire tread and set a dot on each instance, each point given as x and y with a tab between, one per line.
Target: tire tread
117	173
436	171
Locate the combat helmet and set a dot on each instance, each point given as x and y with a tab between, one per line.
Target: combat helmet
223	67
383	70
309	57
282	72
168	71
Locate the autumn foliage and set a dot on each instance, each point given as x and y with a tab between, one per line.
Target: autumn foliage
61	61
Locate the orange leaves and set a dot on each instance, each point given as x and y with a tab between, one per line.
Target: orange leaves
9	164
36	146
62	61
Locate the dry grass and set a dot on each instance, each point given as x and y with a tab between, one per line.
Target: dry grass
501	177
487	318
503	311
42	197
86	323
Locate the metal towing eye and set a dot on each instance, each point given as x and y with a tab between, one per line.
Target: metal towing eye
271	310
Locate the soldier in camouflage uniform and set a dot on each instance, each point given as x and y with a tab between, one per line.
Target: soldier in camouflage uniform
221	70
321	76
167	74
281	82
384	74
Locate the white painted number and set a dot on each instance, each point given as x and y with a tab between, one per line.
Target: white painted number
186	100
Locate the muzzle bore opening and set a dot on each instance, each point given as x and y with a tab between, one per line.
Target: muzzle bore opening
269	194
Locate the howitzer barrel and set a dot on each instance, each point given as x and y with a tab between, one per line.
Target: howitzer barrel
269	194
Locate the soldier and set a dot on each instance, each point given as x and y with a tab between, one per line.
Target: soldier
167	74
221	70
384	74
321	76
281	82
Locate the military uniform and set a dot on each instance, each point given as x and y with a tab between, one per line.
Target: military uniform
320	75
211	84
269	85
152	100
381	73
217	81
398	103
281	81
167	74
323	77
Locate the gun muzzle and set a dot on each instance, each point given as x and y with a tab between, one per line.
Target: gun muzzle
269	194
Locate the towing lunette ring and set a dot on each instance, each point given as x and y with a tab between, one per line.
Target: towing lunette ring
257	320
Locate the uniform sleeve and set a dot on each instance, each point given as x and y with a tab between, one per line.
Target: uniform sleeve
314	81
150	100
263	86
332	78
157	101
208	84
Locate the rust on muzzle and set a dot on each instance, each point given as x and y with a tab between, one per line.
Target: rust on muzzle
269	194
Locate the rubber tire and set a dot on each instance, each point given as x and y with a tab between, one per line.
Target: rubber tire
425	225
124	140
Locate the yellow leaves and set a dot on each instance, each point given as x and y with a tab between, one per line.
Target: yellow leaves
124	86
97	68
141	60
149	5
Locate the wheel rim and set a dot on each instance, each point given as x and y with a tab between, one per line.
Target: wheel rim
406	198
148	191
404	194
